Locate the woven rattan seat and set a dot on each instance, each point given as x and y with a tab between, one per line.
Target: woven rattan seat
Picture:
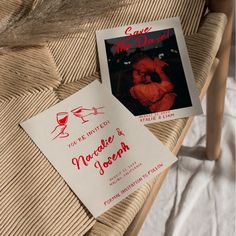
35	200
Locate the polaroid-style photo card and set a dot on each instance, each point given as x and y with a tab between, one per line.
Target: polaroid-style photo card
146	66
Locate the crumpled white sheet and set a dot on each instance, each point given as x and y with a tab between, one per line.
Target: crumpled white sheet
198	196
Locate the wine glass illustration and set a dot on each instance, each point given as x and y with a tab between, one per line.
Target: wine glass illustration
62	118
95	110
83	112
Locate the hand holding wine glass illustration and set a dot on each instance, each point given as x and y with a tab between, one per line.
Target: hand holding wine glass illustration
59	130
83	112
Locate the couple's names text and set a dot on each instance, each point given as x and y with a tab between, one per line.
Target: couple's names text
82	161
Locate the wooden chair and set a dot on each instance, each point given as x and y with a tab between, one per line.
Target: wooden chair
35	200
215	81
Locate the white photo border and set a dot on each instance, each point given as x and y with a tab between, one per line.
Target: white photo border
174	23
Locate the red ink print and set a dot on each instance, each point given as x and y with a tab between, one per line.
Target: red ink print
84	160
59	130
140	39
82	112
111	159
119	132
142	31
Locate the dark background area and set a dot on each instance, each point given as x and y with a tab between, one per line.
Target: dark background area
120	69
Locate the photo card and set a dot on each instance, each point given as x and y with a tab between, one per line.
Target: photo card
147	68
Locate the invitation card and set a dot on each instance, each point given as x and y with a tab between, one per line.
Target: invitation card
100	149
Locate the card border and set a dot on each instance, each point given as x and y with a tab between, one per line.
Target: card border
29	124
174	23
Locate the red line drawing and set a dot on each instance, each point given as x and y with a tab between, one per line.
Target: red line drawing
62	118
83	112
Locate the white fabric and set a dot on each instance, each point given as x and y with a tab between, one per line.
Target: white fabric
198	196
